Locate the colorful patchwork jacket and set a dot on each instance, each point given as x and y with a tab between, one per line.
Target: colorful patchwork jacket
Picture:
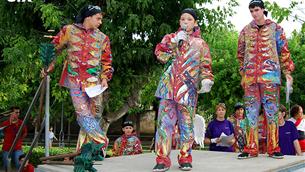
89	56
185	67
263	53
127	145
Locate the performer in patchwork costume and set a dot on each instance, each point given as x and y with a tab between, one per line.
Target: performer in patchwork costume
262	54
188	63
88	64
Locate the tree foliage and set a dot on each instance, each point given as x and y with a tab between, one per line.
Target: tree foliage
134	28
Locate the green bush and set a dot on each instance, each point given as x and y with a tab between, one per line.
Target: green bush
39	152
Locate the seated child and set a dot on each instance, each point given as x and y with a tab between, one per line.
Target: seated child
128	143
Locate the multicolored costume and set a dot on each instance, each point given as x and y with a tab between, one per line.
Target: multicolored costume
127	145
89	60
262	134
177	89
262	53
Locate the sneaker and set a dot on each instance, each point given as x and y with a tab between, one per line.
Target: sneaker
245	155
277	155
160	168
186	167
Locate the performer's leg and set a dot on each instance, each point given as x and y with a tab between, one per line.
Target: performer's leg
186	126
96	104
270	100
167	117
252	107
90	129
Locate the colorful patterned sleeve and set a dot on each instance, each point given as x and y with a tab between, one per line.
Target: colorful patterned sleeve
61	39
241	49
206	63
287	64
106	60
165	50
138	147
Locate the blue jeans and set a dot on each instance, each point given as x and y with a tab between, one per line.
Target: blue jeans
15	157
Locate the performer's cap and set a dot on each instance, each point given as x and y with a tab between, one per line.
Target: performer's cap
258	3
190	11
87	11
127	123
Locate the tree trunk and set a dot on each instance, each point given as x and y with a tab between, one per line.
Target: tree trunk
111	117
69	133
138	124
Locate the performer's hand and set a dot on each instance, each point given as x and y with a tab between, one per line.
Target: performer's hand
206	86
44	72
181	35
104	83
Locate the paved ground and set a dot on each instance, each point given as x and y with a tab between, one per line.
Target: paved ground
202	161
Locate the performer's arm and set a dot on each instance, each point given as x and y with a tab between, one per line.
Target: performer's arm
241	49
60	41
106	61
287	64
166	49
206	63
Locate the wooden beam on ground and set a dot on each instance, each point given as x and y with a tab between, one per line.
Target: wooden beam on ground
60	156
58	162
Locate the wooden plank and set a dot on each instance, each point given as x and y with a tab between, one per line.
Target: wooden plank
60	156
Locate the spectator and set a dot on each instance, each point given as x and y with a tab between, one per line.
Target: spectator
288	135
11	127
51	137
216	128
238	121
128	143
296	113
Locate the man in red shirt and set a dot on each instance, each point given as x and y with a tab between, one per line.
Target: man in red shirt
10	128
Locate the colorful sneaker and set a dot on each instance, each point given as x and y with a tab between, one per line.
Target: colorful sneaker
186	167
160	168
277	155
245	155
